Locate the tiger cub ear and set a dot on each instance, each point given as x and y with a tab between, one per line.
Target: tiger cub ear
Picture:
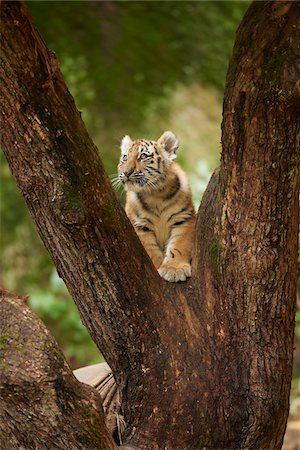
125	144
169	142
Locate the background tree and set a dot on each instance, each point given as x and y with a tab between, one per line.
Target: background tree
216	351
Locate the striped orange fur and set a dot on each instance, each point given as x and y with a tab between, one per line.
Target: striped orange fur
159	203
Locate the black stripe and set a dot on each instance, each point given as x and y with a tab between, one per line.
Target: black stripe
175	250
145	205
179	223
139	216
148	220
158	160
143	228
168	206
185	208
174	189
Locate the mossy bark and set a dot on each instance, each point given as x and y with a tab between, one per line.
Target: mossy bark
42	405
205	363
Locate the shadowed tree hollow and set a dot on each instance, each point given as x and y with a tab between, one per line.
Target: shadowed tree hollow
205	363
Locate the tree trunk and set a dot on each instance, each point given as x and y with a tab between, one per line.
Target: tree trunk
42	405
204	363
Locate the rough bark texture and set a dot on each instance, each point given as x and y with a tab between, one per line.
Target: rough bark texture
205	363
42	405
249	218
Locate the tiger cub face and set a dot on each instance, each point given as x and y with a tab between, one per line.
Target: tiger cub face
144	163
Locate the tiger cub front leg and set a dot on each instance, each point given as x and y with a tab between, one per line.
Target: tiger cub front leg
148	239
176	265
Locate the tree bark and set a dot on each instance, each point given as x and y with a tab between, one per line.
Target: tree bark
204	363
42	405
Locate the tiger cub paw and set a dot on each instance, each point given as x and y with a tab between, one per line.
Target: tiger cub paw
174	273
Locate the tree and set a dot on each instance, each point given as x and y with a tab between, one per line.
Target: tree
205	363
38	390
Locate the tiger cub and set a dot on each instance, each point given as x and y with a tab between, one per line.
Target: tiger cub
159	203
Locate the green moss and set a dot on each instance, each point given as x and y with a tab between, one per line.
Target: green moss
3	367
111	215
54	356
71	207
110	209
3	341
72	195
273	64
214	251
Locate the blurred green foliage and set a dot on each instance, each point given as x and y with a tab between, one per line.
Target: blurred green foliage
56	308
122	60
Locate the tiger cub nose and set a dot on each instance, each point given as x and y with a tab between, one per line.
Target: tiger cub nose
128	172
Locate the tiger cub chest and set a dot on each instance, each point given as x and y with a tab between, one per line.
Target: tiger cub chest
156	214
156	218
